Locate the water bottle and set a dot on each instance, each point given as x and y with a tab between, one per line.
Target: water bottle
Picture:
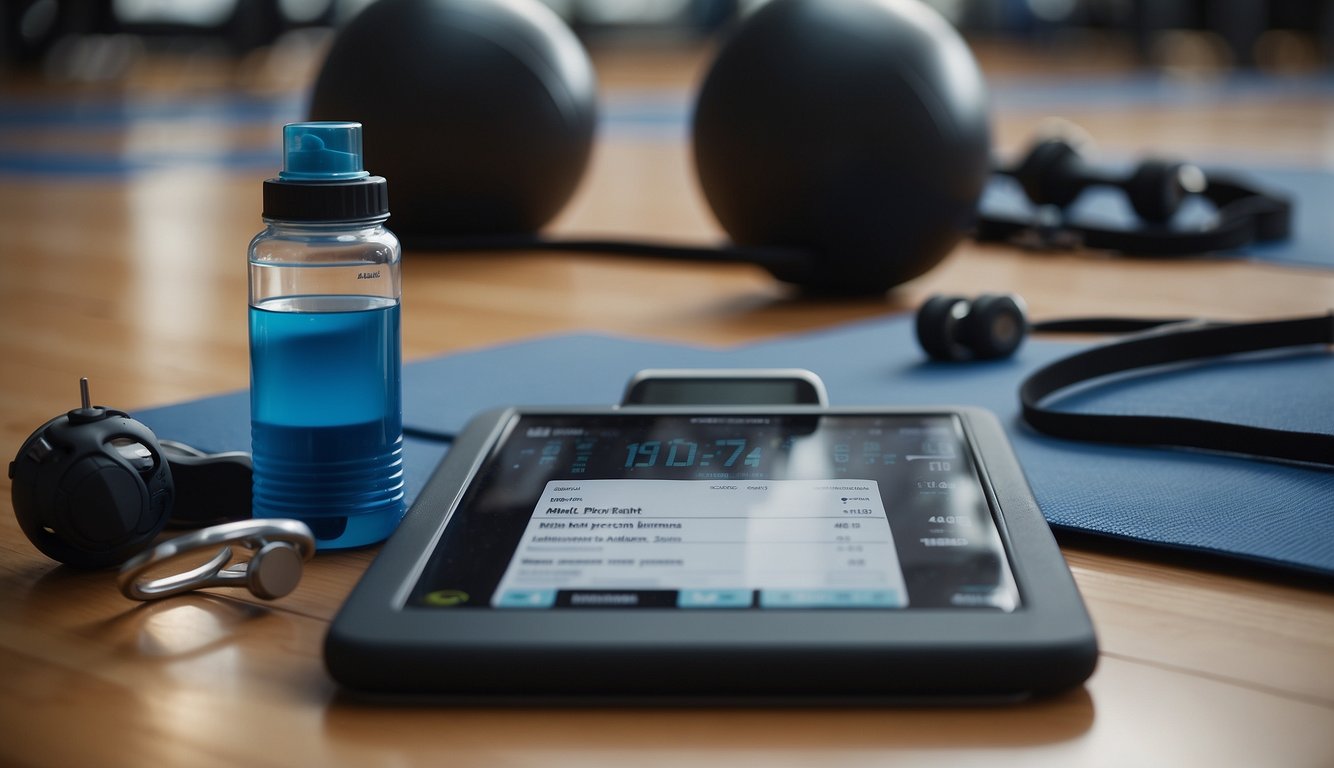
326	415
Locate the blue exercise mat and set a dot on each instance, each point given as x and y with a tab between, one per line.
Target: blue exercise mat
1277	514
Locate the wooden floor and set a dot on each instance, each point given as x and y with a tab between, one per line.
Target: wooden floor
137	280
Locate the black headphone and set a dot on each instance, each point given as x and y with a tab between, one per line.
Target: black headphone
1053	175
93	487
952	328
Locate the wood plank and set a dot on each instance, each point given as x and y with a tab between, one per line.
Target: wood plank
212	681
1262	633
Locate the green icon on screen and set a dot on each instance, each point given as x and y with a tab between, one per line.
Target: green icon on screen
446	598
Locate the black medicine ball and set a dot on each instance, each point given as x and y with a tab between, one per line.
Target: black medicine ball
854	129
480	113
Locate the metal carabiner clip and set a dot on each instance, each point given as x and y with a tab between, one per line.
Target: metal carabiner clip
280	547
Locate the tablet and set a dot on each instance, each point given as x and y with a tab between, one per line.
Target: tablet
708	552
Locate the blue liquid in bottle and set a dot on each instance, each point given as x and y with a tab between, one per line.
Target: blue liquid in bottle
327	421
325	360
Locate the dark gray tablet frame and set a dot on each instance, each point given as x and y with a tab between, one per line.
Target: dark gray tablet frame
1044	646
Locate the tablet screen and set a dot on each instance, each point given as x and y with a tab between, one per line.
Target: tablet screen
627	511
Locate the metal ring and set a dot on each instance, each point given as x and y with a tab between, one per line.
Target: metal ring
251	534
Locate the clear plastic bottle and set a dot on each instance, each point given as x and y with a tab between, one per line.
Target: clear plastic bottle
325	351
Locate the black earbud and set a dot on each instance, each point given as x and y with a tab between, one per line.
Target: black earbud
994	325
954	328
91	487
1053	173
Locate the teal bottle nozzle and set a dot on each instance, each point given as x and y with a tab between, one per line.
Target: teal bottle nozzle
322	151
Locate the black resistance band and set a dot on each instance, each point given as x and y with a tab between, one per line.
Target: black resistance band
1162	347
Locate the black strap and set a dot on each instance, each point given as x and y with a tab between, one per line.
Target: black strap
1170	346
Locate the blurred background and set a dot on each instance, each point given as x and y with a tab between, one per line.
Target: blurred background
90	64
255	40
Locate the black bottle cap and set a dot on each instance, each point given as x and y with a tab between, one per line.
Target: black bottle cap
363	198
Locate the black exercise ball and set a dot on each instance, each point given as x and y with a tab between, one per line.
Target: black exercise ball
480	113
853	129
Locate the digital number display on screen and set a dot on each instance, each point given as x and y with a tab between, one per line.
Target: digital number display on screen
627	511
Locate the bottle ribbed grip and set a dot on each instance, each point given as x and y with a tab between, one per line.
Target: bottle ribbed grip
326	201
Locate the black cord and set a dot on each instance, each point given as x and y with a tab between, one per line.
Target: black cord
429	434
1106	324
770	258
